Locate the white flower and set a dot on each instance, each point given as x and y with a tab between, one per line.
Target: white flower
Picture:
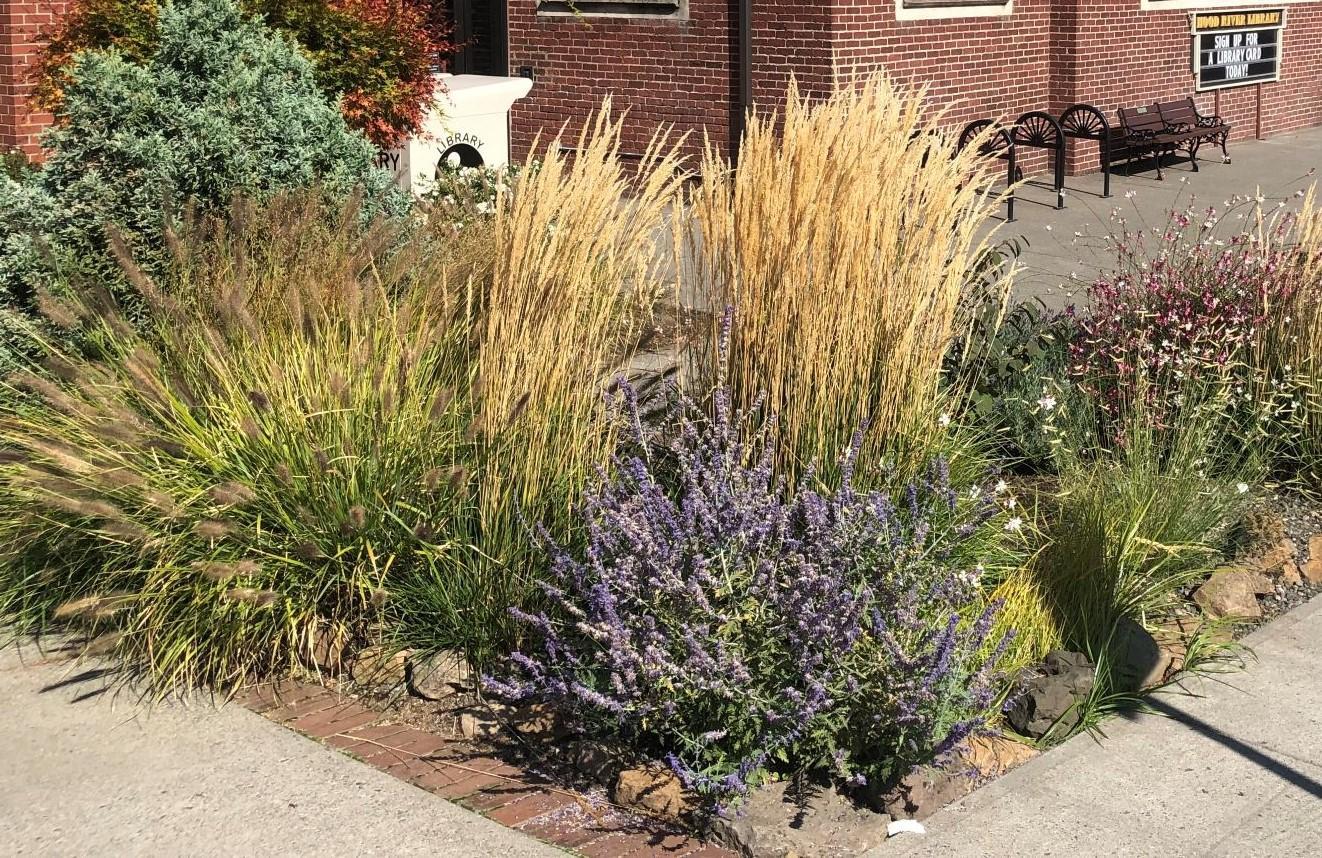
974	491
1242	488
1047	403
484	207
1011	503
1014	524
1001	487
944	420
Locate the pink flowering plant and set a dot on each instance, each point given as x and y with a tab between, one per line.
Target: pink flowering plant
735	626
1183	310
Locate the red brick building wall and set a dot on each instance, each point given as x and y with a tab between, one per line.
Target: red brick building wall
1046	55
21	24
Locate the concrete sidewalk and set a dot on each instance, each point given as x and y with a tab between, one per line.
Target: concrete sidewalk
82	774
1068	248
1235	773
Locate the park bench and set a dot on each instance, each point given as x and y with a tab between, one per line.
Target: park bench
1085	122
1146	133
1039	130
999	144
1184	116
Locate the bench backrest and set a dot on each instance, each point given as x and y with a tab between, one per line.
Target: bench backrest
1142	118
1180	112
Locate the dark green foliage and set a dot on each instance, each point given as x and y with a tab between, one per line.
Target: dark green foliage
224	107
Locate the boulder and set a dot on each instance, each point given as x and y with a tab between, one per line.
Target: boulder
776	821
1313	568
478	722
1291	574
653	788
598	761
377	666
539	720
1275	556
439	675
1050	696
1230	592
926	790
1137	661
992	755
328	651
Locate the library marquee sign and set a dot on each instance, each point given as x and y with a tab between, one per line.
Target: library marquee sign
1235	48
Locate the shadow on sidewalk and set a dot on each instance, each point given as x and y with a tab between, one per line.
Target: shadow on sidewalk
1281	770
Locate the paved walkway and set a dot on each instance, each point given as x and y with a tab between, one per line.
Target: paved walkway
84	775
1062	260
1236	773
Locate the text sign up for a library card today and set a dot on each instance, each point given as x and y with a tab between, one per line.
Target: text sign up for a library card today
1234	48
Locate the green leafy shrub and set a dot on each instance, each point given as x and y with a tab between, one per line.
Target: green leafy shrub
1014	372
376	57
223	106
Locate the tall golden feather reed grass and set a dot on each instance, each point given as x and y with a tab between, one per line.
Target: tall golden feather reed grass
324	429
844	242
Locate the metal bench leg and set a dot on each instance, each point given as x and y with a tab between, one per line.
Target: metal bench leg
1060	173
1106	168
1225	156
1009	187
1193	155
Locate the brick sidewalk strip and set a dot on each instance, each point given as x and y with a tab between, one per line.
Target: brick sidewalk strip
503	793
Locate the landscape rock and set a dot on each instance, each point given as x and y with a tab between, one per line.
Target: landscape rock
1276	556
538	720
1291	574
775	822
926	790
328	651
1313	569
1138	662
439	675
478	723
1230	592
377	666
598	761
1049	696
654	788
991	756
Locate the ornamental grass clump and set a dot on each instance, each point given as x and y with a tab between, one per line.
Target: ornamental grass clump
1289	356
848	238
739	625
234	490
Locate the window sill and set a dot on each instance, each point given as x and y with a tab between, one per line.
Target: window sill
950	13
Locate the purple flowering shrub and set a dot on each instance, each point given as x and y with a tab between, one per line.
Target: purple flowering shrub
736	626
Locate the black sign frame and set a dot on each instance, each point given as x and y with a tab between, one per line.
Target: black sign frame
1236	47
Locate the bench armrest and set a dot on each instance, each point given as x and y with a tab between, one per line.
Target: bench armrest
1209	121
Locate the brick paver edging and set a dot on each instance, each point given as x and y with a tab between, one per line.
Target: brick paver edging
504	793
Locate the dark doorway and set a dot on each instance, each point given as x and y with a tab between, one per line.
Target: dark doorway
479	36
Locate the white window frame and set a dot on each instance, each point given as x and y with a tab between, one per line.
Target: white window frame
947	13
681	13
1200	5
